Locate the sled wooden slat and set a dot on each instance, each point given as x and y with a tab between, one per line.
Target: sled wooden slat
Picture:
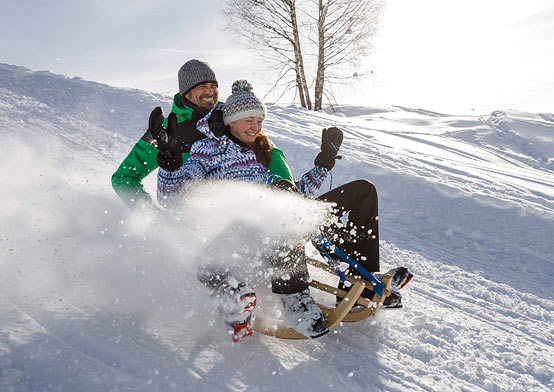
344	307
323	266
375	304
275	328
338	292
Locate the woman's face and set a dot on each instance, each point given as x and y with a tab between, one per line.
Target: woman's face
246	129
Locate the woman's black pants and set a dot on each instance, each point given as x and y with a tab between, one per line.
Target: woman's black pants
361	231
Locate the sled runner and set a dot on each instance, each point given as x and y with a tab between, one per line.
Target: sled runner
343	312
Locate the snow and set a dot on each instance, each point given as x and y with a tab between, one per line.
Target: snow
96	298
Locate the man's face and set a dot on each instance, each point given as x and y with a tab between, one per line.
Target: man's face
246	129
204	95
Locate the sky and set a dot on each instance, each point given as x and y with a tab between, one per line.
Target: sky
438	55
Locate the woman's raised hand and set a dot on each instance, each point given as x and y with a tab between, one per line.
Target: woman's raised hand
331	140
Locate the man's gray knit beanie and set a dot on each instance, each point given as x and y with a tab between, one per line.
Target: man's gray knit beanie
193	73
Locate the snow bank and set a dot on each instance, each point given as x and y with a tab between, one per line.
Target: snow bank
94	297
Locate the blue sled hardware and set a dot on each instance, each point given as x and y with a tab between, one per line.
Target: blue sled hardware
327	247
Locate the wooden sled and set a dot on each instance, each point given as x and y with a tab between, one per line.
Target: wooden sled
342	313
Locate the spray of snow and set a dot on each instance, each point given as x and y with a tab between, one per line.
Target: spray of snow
80	242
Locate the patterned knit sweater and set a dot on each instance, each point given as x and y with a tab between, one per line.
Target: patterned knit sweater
222	158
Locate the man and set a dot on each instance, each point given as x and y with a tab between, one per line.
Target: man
198	94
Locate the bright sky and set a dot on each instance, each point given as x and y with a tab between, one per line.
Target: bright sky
432	54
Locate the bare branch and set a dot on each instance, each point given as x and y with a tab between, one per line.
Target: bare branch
306	43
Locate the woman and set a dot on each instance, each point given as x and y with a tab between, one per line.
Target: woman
245	153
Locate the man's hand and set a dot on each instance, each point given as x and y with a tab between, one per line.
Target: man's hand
331	140
163	139
155	124
169	156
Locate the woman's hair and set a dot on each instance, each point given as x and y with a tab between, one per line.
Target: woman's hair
262	148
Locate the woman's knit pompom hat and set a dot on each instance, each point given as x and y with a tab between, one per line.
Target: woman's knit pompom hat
242	103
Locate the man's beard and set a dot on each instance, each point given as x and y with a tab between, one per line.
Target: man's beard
202	101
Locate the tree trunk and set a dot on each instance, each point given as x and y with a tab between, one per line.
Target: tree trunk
301	83
320	75
300	88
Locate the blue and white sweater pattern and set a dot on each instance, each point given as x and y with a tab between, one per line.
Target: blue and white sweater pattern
222	158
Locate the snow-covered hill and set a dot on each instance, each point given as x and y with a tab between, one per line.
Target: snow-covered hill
95	298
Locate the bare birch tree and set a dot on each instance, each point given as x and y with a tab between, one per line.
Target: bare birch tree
271	29
336	34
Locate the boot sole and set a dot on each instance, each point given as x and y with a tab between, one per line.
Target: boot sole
320	335
392	307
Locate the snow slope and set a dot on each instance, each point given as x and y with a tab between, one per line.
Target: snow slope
95	298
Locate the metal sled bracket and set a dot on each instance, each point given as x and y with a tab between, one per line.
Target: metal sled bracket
327	247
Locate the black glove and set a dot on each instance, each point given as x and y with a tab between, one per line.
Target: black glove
155	125
169	157
331	140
